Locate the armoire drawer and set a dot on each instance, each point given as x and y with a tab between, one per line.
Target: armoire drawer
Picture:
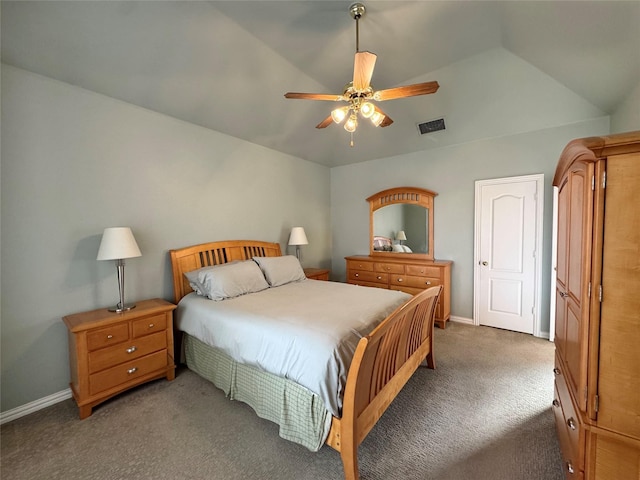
570	420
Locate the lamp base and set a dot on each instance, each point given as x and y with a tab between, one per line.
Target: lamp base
119	309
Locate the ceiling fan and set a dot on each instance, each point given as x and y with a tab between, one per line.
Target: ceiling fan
359	94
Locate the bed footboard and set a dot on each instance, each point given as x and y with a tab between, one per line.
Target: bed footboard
382	364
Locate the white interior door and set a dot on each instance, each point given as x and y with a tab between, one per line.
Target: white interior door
508	252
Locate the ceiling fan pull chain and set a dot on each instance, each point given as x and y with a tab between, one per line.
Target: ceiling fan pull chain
351	143
357	34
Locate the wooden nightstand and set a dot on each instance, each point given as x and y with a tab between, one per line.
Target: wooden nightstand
317	273
110	352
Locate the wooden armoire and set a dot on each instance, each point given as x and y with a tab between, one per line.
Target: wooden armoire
597	333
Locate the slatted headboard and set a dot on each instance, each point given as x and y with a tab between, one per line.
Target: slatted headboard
215	253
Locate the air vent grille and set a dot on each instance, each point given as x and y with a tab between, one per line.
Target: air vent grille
432	126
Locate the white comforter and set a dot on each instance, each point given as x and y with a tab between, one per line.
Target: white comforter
305	331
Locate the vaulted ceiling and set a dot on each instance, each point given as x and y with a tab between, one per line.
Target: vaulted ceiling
503	66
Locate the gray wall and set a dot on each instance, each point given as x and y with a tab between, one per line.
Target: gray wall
451	172
75	162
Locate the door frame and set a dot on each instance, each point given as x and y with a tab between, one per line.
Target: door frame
537	297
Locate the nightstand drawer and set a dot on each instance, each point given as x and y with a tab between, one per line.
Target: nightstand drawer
107	357
149	325
105	337
126	372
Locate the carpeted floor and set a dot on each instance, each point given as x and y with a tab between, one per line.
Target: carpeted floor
483	414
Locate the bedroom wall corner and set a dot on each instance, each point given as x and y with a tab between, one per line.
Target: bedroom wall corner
75	162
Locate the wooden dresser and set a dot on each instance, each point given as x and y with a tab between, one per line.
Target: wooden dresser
110	352
597	332
410	275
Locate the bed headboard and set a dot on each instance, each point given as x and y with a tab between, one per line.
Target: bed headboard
215	253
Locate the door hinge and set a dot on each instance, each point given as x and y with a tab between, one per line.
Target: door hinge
604	179
593	182
600	294
589	294
596	405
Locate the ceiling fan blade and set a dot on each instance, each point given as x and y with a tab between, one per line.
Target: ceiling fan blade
314	96
386	121
363	69
325	123
406	91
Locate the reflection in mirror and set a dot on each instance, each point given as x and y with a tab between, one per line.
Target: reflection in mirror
389	221
401	221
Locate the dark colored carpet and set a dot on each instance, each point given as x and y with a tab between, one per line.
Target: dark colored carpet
483	414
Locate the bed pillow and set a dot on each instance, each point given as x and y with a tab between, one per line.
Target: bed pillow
229	280
280	270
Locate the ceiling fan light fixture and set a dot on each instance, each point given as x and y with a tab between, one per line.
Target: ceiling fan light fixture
377	118
351	124
367	109
339	114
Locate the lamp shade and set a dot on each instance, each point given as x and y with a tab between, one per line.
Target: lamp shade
118	243
401	235
298	237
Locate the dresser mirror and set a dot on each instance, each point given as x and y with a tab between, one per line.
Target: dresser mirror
401	222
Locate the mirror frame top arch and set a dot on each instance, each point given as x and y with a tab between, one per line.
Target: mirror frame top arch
402	195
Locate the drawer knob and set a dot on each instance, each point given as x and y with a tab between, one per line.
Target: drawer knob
428	282
109	337
357	275
556	371
571	423
132	370
570	467
399	280
555	403
151	325
379	278
564	295
131	349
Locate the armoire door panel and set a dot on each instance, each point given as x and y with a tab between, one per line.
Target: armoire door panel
619	369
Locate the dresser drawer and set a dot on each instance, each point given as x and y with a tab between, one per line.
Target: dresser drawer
356	265
123	373
105	337
423	271
414	282
107	357
389	267
149	325
363	276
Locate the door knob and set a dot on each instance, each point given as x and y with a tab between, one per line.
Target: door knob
485	263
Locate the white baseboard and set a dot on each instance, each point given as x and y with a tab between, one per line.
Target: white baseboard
468	321
34	406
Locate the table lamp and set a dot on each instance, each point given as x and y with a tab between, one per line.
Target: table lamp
117	244
297	238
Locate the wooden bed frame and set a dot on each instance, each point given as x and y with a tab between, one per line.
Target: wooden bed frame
383	361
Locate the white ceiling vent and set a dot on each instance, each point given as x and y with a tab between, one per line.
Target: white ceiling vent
432	126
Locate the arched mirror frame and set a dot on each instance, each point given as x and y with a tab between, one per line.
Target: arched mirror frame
404	195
